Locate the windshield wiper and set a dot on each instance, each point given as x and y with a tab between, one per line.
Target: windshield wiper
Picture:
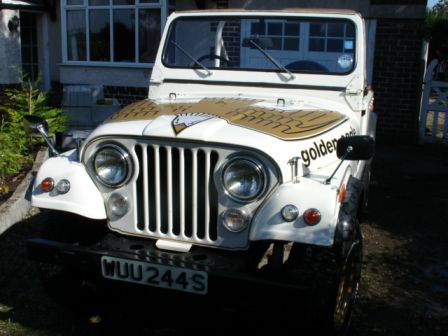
186	53
272	59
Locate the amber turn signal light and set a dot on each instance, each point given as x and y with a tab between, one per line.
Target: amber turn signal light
342	192
47	184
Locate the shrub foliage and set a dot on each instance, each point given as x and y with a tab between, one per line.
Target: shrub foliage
15	144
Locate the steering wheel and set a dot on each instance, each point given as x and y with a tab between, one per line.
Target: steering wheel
213	56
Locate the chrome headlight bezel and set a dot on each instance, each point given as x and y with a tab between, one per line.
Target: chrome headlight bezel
260	175
124	158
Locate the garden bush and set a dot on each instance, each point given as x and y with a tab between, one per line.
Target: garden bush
15	143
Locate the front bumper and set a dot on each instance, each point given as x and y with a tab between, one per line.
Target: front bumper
235	266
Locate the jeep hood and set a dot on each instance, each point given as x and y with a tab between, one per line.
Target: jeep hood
280	133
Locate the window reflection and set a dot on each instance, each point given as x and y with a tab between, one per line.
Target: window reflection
149	34
76	35
124	35
99	35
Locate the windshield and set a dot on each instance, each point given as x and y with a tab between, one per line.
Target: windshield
287	45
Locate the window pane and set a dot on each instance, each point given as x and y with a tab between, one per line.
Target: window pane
26	55
336	29
317	44
124	2
257	28
274	29
25	36
276	43
349	45
149	1
75	2
317	29
76	35
34	53
124	35
291	43
334	45
292	29
149	34
350	31
99	35
98	2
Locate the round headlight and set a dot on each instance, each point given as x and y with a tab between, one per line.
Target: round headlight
243	179
112	165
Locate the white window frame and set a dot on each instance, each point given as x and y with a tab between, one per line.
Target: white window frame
165	7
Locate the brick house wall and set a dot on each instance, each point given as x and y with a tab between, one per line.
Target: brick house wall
397	71
397	78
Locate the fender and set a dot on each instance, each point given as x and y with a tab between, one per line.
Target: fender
268	223
347	228
83	198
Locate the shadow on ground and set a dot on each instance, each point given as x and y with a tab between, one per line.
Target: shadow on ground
404	287
405	276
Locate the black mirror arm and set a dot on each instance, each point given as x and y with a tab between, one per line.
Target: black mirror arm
348	150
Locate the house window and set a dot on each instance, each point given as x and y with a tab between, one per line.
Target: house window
331	37
113	31
29	50
282	35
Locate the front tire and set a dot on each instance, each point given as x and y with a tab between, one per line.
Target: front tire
332	275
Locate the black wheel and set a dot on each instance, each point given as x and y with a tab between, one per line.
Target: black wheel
347	284
332	276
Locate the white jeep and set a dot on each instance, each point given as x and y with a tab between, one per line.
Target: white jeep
249	159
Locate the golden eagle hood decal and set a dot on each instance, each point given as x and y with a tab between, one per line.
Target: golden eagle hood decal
286	125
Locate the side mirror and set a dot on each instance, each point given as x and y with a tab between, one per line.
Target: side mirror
35	123
41	125
358	147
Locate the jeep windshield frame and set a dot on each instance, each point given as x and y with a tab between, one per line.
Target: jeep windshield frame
310	45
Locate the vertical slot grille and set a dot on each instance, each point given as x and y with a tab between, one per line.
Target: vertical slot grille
139	202
179	196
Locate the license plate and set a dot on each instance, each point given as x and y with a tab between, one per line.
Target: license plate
145	273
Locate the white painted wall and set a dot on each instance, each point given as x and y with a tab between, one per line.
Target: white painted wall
10	54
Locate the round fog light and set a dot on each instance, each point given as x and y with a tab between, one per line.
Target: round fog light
118	206
234	220
290	213
63	186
